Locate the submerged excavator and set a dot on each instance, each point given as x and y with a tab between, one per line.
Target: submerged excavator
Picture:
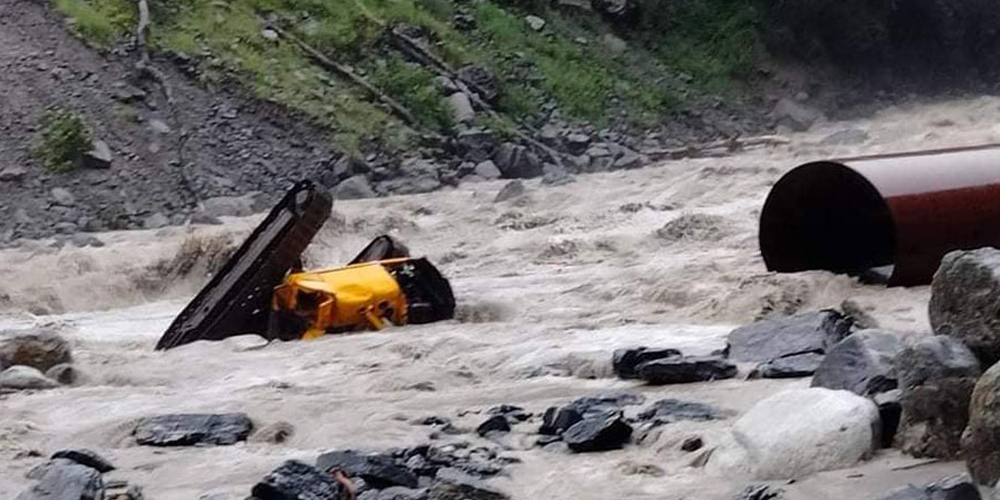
263	289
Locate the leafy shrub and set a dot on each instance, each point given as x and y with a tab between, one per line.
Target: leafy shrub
63	141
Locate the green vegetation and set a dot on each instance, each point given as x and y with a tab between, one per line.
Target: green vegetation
101	22
711	40
63	140
570	63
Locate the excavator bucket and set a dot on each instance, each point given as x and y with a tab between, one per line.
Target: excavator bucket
237	300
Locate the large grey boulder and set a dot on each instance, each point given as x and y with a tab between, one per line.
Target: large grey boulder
461	107
862	363
774	338
800	432
354	188
39	349
66	480
25	378
981	439
936	376
186	429
965	301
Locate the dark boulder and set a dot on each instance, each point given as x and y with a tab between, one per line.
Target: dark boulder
890	412
477	145
192	429
686	369
668	411
863	363
38	349
607	431
556	420
760	492
496	423
86	457
378	471
510	411
483	81
693	443
517	162
792	366
66	480
451	484
294	480
958	487
624	12
625	361
775	338
965	297
936	376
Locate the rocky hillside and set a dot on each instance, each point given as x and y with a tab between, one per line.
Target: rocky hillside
105	129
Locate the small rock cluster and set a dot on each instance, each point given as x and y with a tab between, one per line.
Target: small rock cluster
77	474
35	359
599	423
419	473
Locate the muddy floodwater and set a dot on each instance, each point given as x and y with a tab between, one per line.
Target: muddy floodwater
548	285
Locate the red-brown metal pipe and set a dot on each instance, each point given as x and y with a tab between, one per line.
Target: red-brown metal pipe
905	210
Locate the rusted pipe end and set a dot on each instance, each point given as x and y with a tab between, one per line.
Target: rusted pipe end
825	215
906	210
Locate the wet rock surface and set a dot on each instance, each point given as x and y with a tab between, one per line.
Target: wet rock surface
625	361
668	411
686	369
378	471
298	481
936	376
964	297
771	339
41	349
451	484
607	431
792	366
958	487
66	480
86	457
189	429
863	363
25	378
980	444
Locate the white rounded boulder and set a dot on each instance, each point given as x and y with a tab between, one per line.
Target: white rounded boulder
800	432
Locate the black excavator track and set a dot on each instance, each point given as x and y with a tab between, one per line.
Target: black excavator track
237	300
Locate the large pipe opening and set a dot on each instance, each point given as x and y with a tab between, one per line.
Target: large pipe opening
825	215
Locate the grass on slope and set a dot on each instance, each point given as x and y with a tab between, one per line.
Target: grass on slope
566	64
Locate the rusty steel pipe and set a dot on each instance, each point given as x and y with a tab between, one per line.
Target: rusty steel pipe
906	210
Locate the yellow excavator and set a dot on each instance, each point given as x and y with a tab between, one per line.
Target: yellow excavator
263	289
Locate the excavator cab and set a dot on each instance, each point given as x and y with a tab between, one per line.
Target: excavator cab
263	288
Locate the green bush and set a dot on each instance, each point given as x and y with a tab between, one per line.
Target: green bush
414	87
63	140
